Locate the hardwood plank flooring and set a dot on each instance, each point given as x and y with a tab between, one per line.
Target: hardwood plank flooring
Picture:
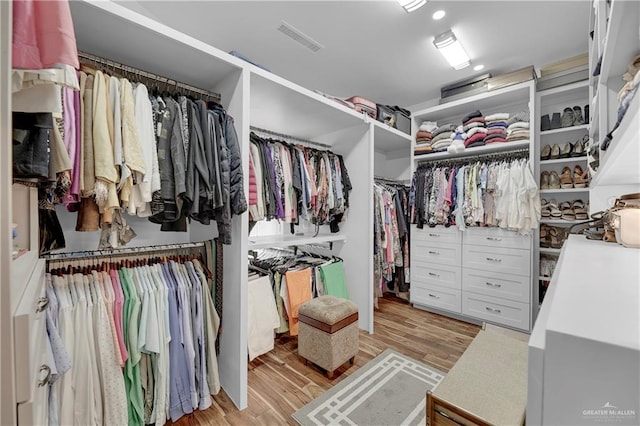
280	383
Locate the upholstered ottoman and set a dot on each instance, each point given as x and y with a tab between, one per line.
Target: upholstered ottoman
328	333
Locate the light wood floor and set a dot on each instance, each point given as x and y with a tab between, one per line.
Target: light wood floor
280	383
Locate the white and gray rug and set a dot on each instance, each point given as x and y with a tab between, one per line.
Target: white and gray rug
390	390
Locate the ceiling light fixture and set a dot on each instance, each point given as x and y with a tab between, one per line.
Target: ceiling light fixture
452	50
412	5
478	67
438	15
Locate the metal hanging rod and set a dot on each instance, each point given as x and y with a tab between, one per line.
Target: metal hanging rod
108	63
75	255
472	158
282	135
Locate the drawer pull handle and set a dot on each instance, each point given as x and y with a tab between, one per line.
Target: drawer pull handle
434	296
433	274
43	302
434	235
494	239
493	285
494	259
497	311
434	252
45	381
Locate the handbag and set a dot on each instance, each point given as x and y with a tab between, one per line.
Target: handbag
620	223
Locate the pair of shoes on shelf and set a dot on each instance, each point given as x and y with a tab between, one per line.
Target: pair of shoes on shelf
567	210
576	149
552	236
572	117
580	178
555	122
549	180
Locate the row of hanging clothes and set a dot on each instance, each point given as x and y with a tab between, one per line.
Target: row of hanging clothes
391	238
131	341
122	143
498	191
280	280
295	183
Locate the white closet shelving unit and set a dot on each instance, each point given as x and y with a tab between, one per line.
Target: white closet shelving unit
253	97
481	274
616	41
551	101
559	391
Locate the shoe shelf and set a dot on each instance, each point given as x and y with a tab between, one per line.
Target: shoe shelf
543	278
560	221
564	130
619	163
564	191
550	250
619	45
582	158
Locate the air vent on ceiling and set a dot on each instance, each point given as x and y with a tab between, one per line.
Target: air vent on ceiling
297	35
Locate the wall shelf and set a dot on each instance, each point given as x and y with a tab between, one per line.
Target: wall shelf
564	160
564	130
550	250
564	191
621	42
560	221
264	242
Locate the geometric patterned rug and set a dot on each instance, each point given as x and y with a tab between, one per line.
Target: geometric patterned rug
389	390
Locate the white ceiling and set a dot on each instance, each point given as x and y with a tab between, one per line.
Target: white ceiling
375	49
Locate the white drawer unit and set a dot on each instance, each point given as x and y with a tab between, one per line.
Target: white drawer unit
507	286
427	253
437	297
439	234
440	275
29	334
494	237
508	261
493	309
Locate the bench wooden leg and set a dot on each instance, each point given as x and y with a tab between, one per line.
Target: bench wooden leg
329	374
352	360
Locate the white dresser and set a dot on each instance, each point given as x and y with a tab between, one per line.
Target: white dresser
481	274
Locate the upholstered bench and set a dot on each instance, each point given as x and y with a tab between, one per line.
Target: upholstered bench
487	386
328	333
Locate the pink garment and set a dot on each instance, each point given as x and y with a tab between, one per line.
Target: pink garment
448	197
43	35
474	138
495	140
71	142
118	305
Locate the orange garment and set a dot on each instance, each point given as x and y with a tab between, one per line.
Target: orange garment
298	291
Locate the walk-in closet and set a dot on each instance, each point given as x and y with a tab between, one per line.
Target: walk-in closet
367	212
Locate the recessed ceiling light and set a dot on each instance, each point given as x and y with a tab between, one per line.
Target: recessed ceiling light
438	14
478	67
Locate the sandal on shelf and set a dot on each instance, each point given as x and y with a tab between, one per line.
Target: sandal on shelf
546	152
581	177
580	210
554	180
545	211
555	152
545	240
555	211
567	211
592	229
544	180
557	237
566	182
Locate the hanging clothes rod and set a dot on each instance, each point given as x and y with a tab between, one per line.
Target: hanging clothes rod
472	158
282	135
108	63
75	255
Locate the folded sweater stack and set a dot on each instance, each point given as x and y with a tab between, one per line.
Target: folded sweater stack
518	127
424	137
496	127
474	125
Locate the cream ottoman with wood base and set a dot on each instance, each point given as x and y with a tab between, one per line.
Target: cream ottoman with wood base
328	333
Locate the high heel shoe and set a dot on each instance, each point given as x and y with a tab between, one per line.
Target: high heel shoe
566	182
566	149
581	178
578	148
